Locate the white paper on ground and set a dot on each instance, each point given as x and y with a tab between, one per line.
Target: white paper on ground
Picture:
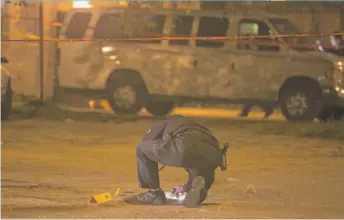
170	196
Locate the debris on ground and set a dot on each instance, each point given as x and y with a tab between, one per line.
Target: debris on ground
338	152
68	120
250	189
128	191
230	180
118	192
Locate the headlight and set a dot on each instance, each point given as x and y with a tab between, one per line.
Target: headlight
339	65
339	90
107	49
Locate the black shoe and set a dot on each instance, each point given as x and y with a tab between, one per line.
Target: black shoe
152	197
197	193
268	112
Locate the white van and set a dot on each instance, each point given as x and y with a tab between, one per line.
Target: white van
142	69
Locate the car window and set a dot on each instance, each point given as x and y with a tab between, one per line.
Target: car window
182	27
78	25
247	28
253	28
147	26
138	27
109	26
212	27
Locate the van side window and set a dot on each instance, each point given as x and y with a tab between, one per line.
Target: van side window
182	27
212	27
109	25
253	28
149	26
78	25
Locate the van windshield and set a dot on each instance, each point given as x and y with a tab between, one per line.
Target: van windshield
286	27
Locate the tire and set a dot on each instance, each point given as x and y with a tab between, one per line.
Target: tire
126	93
160	108
6	103
301	101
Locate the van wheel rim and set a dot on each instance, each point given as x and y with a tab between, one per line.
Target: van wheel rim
125	96
297	104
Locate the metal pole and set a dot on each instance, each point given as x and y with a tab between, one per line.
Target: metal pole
41	52
341	28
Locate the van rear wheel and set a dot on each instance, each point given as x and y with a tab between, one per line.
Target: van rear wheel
126	94
301	101
160	108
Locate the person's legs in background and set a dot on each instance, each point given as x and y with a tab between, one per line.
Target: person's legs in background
266	107
246	110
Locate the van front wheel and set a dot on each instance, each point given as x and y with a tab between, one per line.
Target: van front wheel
126	95
300	102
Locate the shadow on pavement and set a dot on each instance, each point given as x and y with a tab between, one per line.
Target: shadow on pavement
51	111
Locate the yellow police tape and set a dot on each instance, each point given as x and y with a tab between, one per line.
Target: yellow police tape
59	24
26	37
243	39
46	22
36	38
5	70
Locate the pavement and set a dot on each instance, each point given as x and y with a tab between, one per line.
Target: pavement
51	168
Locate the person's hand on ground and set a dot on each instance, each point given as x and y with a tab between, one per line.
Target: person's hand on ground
178	190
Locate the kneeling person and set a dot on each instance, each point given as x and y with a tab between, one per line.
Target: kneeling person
179	142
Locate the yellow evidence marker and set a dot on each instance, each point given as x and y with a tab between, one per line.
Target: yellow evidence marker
101	198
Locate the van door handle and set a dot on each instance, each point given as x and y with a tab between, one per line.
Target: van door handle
195	62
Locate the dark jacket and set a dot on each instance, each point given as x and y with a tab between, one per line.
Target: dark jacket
172	126
174	148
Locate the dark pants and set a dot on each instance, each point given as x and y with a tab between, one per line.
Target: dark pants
268	109
148	171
